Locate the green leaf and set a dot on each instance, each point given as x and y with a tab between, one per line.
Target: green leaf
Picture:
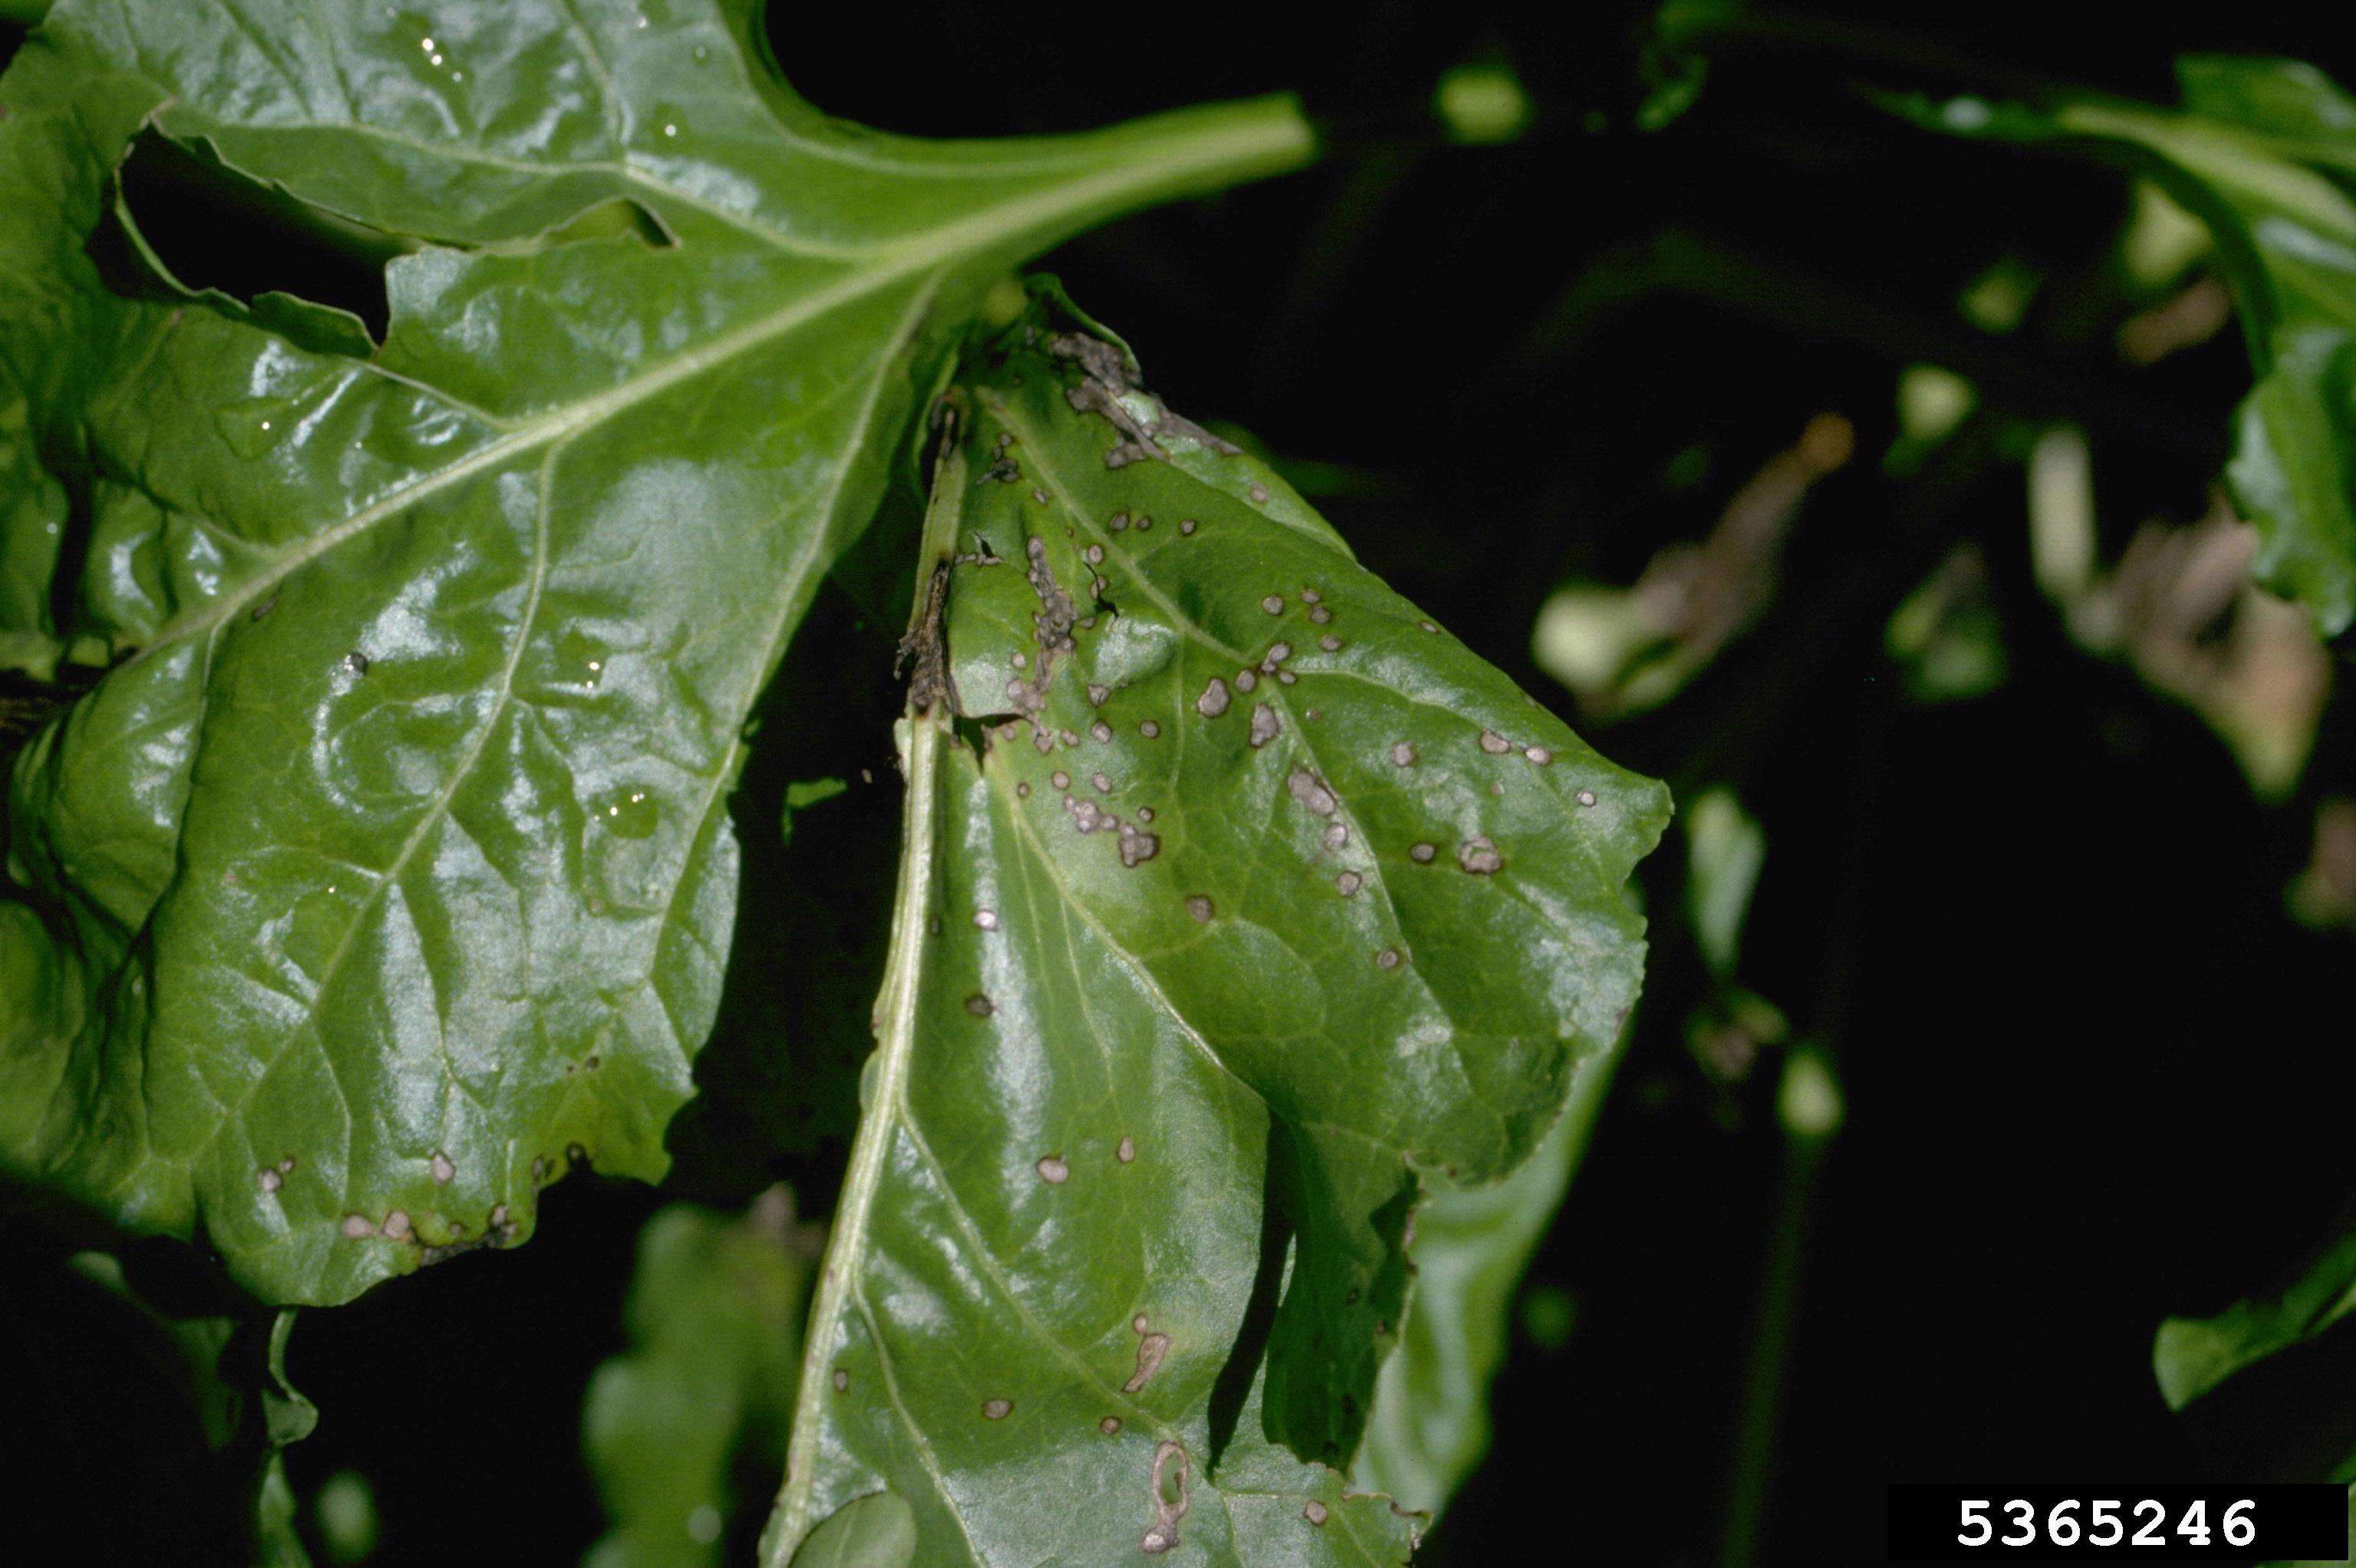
230	1374
1430	1424
801	794
715	1316
288	1417
390	863
2192	1355
1726	848
878	1530
2263	152
1233	894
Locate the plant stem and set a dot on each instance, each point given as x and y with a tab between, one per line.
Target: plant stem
1808	1106
1771	1344
882	1083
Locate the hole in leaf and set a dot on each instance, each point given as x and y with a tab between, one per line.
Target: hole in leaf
183	219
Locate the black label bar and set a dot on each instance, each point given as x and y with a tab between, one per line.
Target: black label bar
2117	1524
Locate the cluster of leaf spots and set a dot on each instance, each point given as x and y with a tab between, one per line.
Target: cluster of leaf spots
1186	993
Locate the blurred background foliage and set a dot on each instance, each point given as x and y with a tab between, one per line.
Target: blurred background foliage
1862	481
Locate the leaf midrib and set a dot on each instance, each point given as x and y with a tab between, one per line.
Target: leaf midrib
1279	137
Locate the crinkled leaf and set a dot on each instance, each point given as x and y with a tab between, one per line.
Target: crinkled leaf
2193	1355
1237	894
1430	1422
390	861
703	1394
2264	151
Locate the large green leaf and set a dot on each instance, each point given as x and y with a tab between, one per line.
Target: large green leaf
1233	894
2264	151
388	864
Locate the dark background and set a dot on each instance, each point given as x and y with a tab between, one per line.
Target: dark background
2094	1074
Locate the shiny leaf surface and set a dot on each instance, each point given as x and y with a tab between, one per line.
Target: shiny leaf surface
389	866
1235	893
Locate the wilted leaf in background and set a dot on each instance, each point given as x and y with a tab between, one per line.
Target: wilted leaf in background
2260	152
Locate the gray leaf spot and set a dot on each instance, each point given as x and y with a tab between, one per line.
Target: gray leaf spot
1497	745
441	1167
987	919
1053	1170
1127	1151
1311	791
1137	851
1149	729
1213	700
1152	1348
979	1005
1403	754
1314	1511
1109	1427
1199	906
1349	882
996	1409
1264	725
1273	605
1162	1533
1421	854
1478	855
1389	958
